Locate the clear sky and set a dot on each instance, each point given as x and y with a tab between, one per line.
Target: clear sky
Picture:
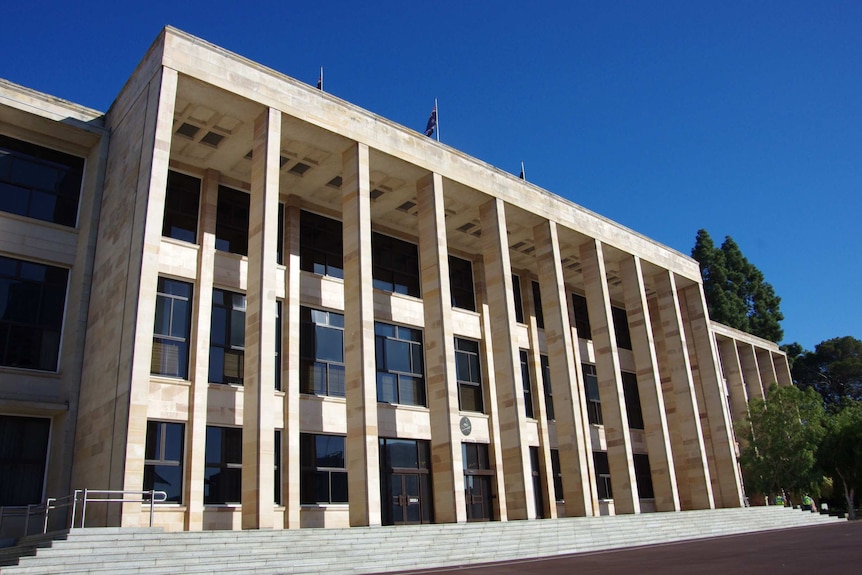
743	118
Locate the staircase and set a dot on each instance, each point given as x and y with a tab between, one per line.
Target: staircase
359	550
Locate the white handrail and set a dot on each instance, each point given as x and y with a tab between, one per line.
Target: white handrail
154	497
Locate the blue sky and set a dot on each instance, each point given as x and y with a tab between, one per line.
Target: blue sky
743	118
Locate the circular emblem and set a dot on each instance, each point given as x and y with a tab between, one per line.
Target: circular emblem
466	426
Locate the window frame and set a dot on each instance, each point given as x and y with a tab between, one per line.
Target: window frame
604	488
582	316
310	468
161	459
232	205
594	406
472	383
392	260
417	353
234	468
160	339
546	385
537	304
227	347
631	396
463	293
527	383
308	362
327	262
178	200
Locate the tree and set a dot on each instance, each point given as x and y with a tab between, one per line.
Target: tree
833	369
736	291
779	441
840	452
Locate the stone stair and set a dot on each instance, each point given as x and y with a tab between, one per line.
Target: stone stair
360	550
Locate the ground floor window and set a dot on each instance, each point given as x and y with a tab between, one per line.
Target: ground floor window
23	457
478	479
643	477
223	472
603	474
323	469
558	475
538	484
405	481
163	459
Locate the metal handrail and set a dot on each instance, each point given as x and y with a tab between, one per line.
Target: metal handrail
154	497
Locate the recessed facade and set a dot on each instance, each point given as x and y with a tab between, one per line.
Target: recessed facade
285	311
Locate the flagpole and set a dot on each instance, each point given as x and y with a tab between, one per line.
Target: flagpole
437	114
321	79
523	172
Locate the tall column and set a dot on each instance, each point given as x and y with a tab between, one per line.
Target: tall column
767	370
290	367
610	380
199	372
363	451
440	376
649	386
517	470
568	399
686	437
733	374
729	493
259	372
750	371
782	369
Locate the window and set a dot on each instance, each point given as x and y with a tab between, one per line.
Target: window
279	247
594	403
39	183
395	265
32	302
603	474
323	469
461	283
227	337
633	400
171	332
277	346
469	375
643	477
546	383
400	365
182	202
321	242
558	475
163	459
478	481
538	486
519	303
537	304
276	460
582	317
23	454
528	386
232	221
223	471
321	352
621	327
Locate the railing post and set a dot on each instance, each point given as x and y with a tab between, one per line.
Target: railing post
49	505
74	508
84	509
152	497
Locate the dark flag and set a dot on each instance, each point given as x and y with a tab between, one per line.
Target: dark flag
523	175
432	122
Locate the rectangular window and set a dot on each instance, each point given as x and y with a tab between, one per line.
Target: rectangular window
558	475
528	385
537	304
546	383
32	304
279	246
172	329
23	455
182	203
323	469
643	477
594	403
621	327
227	337
538	484
519	302
469	375
321	352
223	469
276	460
39	183
603	474
232	221
461	283
633	400
400	364
321	245
278	345
394	265
163	459
582	317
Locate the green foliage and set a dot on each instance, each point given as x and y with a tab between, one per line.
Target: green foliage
779	441
840	452
736	292
833	369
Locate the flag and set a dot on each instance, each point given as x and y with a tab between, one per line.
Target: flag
320	80
432	122
523	175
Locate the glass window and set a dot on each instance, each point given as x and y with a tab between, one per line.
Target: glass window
538	484
279	247
621	328
519	302
558	475
276	460
400	365
546	383
227	337
39	183
537	304
321	242
232	221
182	202
594	403
278	345
475	456
323	469
643	477
603	474
528	385
32	303
163	460
321	352
633	400
461	283
23	454
171	332
395	265
469	375
223	470
582	317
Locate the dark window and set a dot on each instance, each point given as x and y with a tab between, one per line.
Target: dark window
395	265
594	403
279	246
537	305
321	352
519	303
558	475
321	242
643	477
223	472
405	454
603	474
182	202
23	453
171	332
276	460
39	183
163	460
528	386
538	486
621	327
546	383
461	283
582	317
32	302
633	400
478	481
476	457
232	221
278	346
227	337
400	365
469	375
323	469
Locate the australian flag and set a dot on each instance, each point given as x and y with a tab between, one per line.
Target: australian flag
432	122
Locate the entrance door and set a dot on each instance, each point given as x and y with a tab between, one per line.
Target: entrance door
405	498
478	497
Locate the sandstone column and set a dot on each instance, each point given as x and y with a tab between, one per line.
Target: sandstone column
290	367
750	371
733	374
766	368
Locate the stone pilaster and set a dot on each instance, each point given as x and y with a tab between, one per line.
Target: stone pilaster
766	368
733	374
290	367
750	371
